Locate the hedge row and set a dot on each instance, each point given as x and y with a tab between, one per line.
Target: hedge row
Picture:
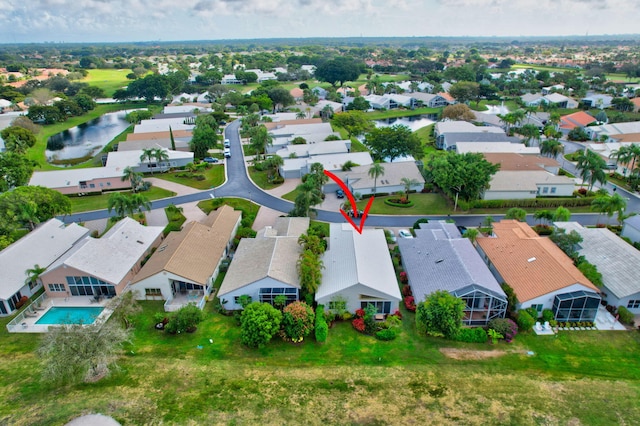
526	203
391	203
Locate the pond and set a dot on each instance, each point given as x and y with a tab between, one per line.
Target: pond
86	139
414	122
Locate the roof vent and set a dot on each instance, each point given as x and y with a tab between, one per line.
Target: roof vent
531	259
439	260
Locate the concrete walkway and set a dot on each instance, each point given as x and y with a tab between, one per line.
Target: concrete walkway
288	186
190	210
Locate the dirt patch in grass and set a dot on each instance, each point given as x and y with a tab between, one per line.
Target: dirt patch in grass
466	354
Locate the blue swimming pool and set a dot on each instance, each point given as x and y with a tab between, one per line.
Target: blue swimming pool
70	315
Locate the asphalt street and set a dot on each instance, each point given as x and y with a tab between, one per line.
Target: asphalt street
239	185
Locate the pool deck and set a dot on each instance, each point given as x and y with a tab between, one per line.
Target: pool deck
32	314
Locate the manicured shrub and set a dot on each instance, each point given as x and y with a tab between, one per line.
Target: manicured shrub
297	321
525	321
398	202
471	335
397	313
259	323
346	316
406	290
403	277
360	313
358	324
386	334
409	303
625	316
186	319
504	326
547	315
321	329
533	313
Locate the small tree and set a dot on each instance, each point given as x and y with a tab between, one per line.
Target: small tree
125	307
186	319
259	323
525	321
297	321
516	213
80	352
440	314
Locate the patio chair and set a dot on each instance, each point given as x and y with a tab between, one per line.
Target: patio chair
547	326
538	327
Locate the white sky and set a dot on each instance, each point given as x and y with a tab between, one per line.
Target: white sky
163	20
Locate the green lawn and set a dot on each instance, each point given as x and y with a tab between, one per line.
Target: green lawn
214	177
433	203
291	196
208	377
262	179
108	80
100	202
247	207
395	113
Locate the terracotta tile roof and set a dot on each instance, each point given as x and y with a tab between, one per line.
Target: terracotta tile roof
513	161
194	252
577	119
627	137
447	96
532	265
296	92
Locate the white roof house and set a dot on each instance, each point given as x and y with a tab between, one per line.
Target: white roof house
631	228
320	148
496	147
42	247
56	179
615	259
511	184
123	159
265	266
162	125
358	269
359	180
297	167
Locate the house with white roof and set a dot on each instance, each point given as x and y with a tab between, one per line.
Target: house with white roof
42	246
439	258
615	259
81	181
496	147
319	148
102	266
431	100
358	270
562	101
298	167
523	184
184	267
359	180
123	159
597	100
631	228
312	133
264	267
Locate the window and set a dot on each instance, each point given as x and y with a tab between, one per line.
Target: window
538	307
108	183
152	292
56	288
545	190
92	185
33	284
553	189
633	304
269	295
381	307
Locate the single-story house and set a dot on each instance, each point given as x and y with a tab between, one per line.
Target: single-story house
102	266
123	159
184	267
138	145
320	92
541	275
185	135
439	258
611	130
431	100
42	247
310	149
187	108
298	167
389	101
518	162
631	228
550	89
449	133
358	179
336	107
511	184
496	147
230	79
81	181
312	133
152	126
607	151
264	267
615	259
358	270
535	99
597	101
297	93
577	119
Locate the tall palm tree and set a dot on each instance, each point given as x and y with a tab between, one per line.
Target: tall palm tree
33	274
260	140
161	155
628	155
301	115
551	148
138	202
554	119
134	178
408	183
119	203
147	155
591	168
308	196
609	204
273	163
375	171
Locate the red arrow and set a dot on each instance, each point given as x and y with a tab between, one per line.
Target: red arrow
352	200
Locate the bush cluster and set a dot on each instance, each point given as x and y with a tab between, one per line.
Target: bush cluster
297	321
186	319
471	335
505	327
526	203
322	329
625	316
398	202
525	321
410	303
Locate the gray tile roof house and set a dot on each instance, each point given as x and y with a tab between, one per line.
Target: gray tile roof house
265	267
631	228
440	259
359	270
615	259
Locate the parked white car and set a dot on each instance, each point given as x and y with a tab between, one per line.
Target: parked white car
404	233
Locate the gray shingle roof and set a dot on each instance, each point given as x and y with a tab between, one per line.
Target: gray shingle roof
440	259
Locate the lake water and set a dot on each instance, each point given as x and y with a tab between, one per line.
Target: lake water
86	139
414	122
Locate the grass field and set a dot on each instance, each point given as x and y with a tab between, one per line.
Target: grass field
100	202
108	80
262	179
214	177
578	378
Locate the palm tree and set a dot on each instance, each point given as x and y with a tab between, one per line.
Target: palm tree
147	154
509	120
554	119
138	202
119	203
135	178
591	168
472	235
308	196
260	140
273	163
551	148
408	183
627	154
609	204
301	115
160	155
33	274
545	215
375	171
529	131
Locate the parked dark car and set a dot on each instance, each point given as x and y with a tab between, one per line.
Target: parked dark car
210	160
340	193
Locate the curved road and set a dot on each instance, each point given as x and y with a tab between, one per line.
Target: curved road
239	185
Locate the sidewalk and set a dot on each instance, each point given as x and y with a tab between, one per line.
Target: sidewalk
288	186
189	210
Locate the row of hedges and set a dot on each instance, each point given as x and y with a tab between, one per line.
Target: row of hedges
526	203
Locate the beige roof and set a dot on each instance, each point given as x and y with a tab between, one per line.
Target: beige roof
194	252
159	135
526	180
273	253
359	177
513	161
532	265
277	124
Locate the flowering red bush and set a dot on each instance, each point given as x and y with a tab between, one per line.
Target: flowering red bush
403	277
360	313
406	290
397	313
409	303
358	324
